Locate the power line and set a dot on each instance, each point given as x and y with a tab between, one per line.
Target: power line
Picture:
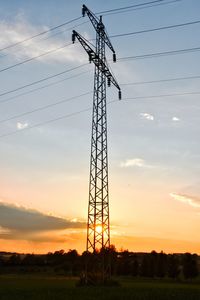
163	95
144	56
159	54
51	36
75	97
113	11
46	122
41	80
90	108
112	36
63	31
155	29
79	74
82	23
44	107
133	6
39	34
141	8
43	87
162	80
35	57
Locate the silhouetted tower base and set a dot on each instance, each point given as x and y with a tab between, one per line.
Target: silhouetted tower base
98	226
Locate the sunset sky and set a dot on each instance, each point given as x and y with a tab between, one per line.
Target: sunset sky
153	133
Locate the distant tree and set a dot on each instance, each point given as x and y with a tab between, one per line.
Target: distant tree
122	263
112	258
28	260
14	260
173	266
161	265
149	264
153	263
59	252
135	266
190	267
125	263
56	258
1	261
87	260
145	266
71	254
71	260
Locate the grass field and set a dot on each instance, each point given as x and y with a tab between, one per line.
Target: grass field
56	288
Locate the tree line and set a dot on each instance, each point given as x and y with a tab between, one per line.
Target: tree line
123	263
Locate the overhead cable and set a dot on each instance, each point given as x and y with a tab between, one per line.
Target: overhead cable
39	34
134	6
159	54
126	58
155	29
90	108
106	12
41	80
162	80
34	58
112	36
44	107
43	87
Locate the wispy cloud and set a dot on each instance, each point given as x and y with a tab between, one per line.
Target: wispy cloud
187	199
175	119
20	30
21	125
147	116
134	162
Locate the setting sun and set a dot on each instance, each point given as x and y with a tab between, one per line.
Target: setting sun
99	228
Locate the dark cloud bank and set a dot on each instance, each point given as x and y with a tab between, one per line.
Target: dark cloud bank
17	222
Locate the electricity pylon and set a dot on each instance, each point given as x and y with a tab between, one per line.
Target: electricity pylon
98	225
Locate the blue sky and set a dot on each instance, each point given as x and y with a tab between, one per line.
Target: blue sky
153	142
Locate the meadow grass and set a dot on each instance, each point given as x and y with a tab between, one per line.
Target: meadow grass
18	287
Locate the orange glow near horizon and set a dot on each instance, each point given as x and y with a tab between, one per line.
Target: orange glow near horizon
77	241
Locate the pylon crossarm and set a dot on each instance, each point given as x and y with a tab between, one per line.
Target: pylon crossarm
95	58
109	75
94	20
108	42
91	53
97	24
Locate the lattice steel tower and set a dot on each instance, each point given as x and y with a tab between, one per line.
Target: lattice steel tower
98	226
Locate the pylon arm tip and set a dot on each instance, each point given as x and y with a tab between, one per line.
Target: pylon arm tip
120	95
